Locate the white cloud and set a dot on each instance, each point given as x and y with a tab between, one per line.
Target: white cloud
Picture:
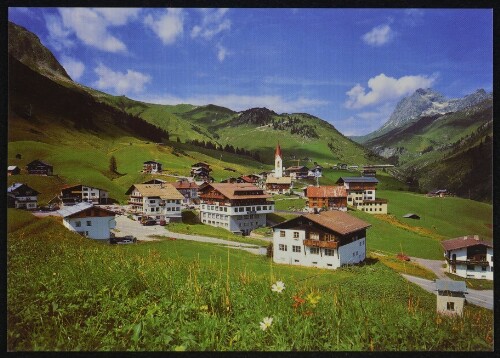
91	26
213	22
384	88
168	27
221	52
242	102
58	34
121	83
379	35
413	17
118	16
74	67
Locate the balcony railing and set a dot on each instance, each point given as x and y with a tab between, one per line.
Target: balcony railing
468	262
323	244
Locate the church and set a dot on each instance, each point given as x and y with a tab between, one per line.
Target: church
276	183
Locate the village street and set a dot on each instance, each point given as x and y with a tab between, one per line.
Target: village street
482	298
127	226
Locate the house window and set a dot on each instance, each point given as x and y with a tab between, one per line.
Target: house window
450	306
483	268
295	234
282	233
296	260
295	248
89	223
470	267
152	201
314	250
282	247
313	236
78	223
329	252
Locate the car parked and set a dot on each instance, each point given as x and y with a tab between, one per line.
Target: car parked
129	239
149	222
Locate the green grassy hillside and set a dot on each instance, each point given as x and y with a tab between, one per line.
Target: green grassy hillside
135	297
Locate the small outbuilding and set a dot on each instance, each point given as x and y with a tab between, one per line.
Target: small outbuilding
450	297
13	170
412	216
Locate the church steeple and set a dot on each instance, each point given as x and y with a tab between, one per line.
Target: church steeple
278	162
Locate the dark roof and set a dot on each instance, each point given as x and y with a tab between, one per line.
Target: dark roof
37	161
464	241
20	189
357	180
297	168
151	161
452	286
337	221
411	215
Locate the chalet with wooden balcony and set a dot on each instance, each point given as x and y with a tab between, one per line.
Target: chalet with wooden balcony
188	189
280	185
332	197
330	239
37	167
155	201
151	167
469	257
237	207
201	171
74	194
361	194
21	196
297	172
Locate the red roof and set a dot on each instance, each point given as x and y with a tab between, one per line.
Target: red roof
184	184
247	179
278	151
333	191
462	242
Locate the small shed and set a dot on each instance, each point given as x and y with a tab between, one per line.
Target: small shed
412	216
13	170
450	297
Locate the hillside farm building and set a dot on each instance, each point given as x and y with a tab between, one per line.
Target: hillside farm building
239	207
361	194
157	201
21	196
151	167
450	297
326	197
330	239
13	170
37	167
88	220
469	257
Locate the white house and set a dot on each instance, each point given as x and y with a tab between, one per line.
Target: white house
158	201
330	239
469	257
361	194
88	220
237	207
151	167
73	194
450	297
21	196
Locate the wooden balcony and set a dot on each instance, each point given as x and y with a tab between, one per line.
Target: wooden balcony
323	244
468	262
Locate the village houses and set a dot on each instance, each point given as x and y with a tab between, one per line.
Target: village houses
361	194
276	183
37	167
74	194
13	170
329	239
469	257
328	197
21	196
238	207
88	220
201	171
151	167
155	201
188	189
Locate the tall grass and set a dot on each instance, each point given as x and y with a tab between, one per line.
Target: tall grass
69	293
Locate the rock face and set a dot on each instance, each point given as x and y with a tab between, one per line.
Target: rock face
427	102
27	48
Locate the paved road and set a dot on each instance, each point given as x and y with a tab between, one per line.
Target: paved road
127	226
435	266
479	298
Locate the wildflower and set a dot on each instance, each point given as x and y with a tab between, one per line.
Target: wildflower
298	301
279	286
204	308
313	299
266	323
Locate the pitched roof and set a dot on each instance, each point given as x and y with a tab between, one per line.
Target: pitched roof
164	191
11	167
75	209
151	162
247	179
338	221
297	168
239	190
184	184
452	286
464	241
16	186
357	180
283	180
38	161
80	185
333	191
411	215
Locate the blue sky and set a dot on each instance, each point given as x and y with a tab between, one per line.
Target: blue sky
347	66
